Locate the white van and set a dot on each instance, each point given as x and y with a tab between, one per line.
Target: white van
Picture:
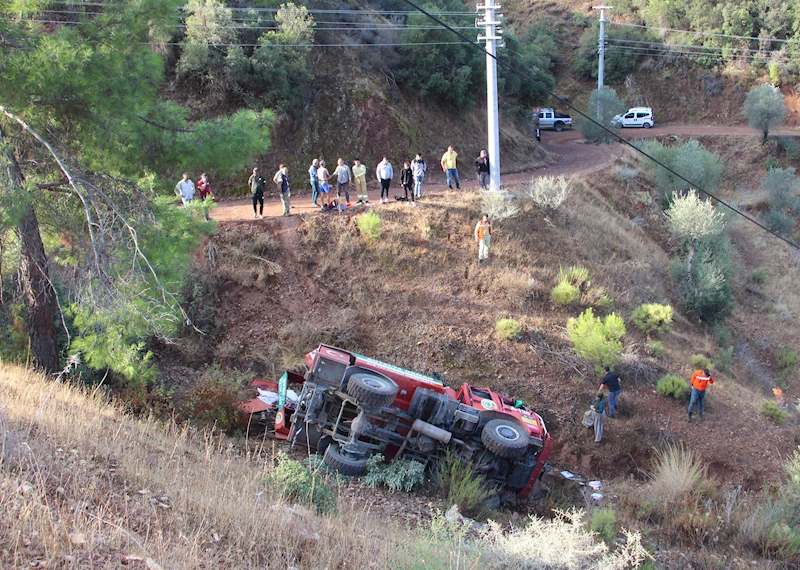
635	117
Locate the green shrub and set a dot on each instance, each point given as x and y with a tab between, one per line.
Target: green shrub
369	225
604	523
652	317
759	276
213	399
507	329
778	222
721	334
605	303
576	275
397	475
701	362
656	348
776	521
565	294
790	146
596	340
673	386
725	359
773	412
465	488
299	485
787	358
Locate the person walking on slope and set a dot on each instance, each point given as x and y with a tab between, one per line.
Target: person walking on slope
595	415
324	187
483	235
312	177
449	164
482	168
418	168
185	189
407	180
385	174
700	381
360	182
256	183
281	178
611	381
343	177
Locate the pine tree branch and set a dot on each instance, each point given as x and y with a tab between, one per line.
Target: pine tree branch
165	127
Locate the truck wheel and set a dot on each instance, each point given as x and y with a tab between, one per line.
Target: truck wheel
505	438
342	464
647	125
371	391
559	126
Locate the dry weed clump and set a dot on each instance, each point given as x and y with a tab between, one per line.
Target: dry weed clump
84	485
562	543
678	472
245	256
341	328
515	287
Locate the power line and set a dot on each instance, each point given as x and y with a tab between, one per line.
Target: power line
606	129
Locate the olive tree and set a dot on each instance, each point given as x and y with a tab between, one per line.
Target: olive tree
604	105
764	108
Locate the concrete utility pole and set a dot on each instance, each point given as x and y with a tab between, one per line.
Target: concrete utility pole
491	20
602	43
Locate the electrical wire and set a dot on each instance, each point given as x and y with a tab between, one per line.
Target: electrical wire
710	34
569	105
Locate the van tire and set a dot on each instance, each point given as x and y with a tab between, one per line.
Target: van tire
559	126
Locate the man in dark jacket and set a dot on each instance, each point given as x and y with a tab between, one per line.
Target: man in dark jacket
482	168
611	381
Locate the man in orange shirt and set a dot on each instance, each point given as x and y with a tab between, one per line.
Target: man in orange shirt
483	235
700	381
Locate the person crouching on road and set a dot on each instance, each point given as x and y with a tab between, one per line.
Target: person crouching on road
595	416
281	179
611	381
483	235
700	381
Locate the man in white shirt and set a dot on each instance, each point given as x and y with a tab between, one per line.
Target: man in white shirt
185	189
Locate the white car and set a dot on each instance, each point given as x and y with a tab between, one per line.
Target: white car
635	117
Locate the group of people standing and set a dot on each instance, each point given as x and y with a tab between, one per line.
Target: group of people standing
257	185
596	414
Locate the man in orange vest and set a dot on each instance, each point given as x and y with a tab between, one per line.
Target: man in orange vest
483	235
700	381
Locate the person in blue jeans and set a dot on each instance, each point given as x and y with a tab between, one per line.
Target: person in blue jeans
700	381
611	381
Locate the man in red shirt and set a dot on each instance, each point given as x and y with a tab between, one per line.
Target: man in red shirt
700	381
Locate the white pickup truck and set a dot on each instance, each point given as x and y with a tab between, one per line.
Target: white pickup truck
549	119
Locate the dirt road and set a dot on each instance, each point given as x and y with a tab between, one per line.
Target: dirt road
572	155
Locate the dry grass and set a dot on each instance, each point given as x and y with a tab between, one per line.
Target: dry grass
85	485
677	473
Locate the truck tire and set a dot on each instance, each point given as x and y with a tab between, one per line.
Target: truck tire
558	126
647	125
342	464
371	391
505	438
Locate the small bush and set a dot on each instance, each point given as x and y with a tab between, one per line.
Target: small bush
213	399
604	522
701	362
369	225
548	191
787	359
790	146
465	488
759	276
565	294
673	386
507	329
299	485
676	474
596	340
652	317
721	334
725	359
773	412
605	303
397	475
498	204
656	348
778	222
575	275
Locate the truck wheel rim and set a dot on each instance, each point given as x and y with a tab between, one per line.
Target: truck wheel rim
507	433
373	382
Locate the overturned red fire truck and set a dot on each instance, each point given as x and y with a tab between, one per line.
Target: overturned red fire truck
352	407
